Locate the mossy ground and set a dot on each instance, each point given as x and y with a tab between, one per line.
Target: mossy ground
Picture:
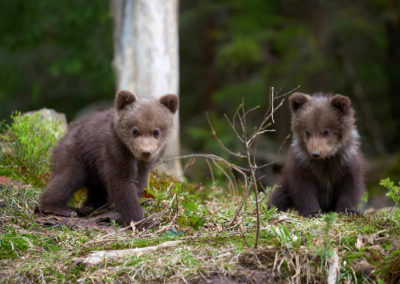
290	248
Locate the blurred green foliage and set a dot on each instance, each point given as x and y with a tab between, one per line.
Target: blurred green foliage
54	53
393	190
235	49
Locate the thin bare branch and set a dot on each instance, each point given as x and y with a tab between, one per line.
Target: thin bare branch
211	171
236	114
287	93
255	135
272	105
250	110
206	156
269	114
263	166
189	164
242	121
229	178
234	129
248	190
267	193
220	142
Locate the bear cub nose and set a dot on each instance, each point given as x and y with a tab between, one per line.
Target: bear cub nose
315	154
146	154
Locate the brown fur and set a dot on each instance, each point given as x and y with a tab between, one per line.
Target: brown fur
324	168
110	153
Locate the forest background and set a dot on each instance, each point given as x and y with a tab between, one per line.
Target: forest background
58	54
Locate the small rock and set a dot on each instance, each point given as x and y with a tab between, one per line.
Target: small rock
363	267
375	249
49	114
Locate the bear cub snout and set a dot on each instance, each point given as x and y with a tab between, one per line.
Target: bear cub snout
324	168
111	154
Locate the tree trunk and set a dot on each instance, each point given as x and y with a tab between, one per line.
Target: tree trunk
146	55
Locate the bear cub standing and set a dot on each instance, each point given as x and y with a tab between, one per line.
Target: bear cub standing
324	168
111	154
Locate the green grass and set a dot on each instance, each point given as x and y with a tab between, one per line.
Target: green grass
30	252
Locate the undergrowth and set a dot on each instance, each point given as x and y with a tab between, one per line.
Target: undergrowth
393	191
25	145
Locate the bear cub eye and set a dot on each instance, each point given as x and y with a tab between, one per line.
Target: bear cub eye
325	133
307	133
156	133
135	132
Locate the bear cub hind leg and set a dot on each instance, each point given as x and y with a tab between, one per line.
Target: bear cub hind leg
60	190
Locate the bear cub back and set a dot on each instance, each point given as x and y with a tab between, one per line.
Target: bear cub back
324	167
111	154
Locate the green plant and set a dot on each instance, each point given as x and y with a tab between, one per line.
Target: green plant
12	244
287	239
326	251
189	211
364	200
28	140
393	190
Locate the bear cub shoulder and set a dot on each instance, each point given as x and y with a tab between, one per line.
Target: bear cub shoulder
324	168
111	154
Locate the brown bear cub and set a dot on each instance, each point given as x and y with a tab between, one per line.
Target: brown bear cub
110	153
324	168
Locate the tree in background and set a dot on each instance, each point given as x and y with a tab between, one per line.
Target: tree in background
146	55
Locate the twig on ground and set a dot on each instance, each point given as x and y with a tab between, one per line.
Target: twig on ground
98	257
334	268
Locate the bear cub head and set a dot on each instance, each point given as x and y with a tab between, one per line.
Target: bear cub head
144	124
322	125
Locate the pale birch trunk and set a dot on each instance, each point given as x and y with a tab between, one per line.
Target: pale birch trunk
146	55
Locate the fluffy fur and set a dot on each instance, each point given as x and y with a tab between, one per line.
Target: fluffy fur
324	168
110	153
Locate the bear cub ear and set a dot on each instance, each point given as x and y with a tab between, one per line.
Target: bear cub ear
124	98
341	103
297	100
170	101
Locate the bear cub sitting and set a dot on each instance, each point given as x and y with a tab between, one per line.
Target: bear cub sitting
324	168
111	154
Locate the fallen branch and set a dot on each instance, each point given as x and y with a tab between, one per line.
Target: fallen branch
334	268
99	257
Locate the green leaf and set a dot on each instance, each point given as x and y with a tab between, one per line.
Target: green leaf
173	233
